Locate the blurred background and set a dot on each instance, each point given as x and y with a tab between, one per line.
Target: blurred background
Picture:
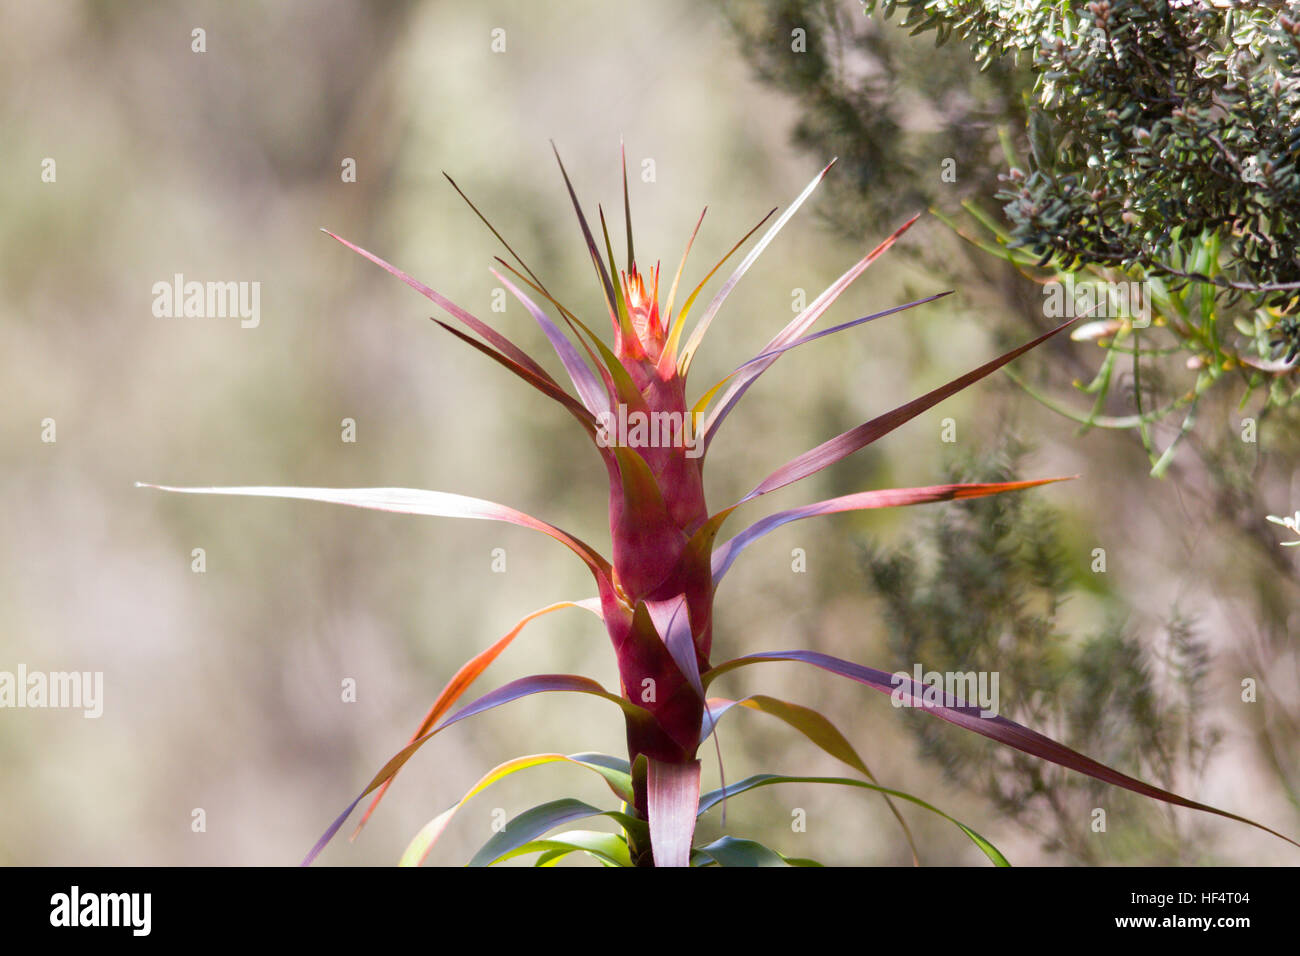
222	689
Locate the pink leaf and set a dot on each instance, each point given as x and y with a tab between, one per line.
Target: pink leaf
747	374
482	328
672	797
840	447
440	504
725	555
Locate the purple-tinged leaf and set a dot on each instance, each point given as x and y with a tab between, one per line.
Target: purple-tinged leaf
697	335
672	621
593	394
414	501
970	717
463	678
745	376
672	796
725	555
482	328
615	376
840	447
547	388
524	687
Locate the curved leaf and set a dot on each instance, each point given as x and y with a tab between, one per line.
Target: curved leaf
697	334
818	729
840	447
715	797
615	772
533	824
482	328
969	717
730	851
524	687
413	501
609	848
463	678
745	376
725	555
593	394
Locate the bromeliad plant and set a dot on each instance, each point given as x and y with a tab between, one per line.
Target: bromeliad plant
655	592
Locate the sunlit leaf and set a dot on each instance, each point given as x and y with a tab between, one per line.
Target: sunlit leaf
412	501
615	772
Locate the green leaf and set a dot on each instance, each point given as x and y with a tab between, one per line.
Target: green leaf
615	772
533	824
714	797
730	851
817	728
607	847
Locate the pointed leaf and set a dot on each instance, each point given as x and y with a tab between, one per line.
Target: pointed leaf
524	687
463	678
534	823
970	717
594	397
678	326
615	376
840	447
414	501
670	345
500	238
482	328
748	374
627	211
725	555
615	772
818	729
606	283
697	336
553	391
712	799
